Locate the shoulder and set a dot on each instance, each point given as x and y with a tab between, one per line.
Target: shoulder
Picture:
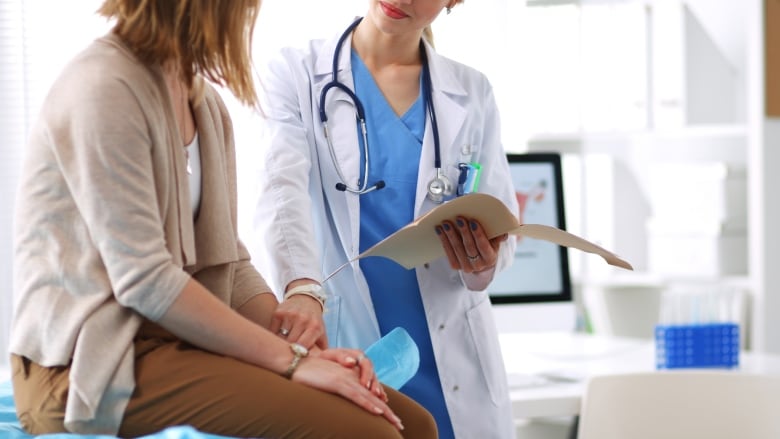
298	59
105	75
458	78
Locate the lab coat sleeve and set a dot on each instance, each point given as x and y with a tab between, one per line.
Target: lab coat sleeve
105	154
284	239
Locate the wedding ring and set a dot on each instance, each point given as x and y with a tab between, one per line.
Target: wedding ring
472	258
284	332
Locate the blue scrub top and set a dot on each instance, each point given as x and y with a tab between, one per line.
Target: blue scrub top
394	152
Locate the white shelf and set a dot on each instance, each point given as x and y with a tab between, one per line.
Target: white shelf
693	143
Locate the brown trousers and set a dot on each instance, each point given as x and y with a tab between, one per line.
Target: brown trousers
178	384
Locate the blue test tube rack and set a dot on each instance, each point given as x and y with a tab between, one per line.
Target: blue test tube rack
706	345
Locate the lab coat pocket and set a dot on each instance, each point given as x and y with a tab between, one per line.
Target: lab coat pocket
332	319
485	338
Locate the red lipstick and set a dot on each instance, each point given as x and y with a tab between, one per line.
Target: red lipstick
392	11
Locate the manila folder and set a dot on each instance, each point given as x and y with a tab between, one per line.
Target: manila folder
417	243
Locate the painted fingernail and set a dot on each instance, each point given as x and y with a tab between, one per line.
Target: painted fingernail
460	222
446	226
438	230
474	225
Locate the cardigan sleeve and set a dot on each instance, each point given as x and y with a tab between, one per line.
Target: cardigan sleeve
112	166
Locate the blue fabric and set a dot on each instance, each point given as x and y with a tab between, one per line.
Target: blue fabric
396	358
394	152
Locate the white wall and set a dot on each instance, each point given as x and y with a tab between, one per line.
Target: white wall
497	37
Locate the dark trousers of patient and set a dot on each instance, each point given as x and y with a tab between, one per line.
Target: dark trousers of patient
178	384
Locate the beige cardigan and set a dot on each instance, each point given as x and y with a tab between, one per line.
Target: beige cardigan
104	234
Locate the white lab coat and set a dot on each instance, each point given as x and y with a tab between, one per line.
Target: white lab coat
297	185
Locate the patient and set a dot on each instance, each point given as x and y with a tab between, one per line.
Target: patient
137	307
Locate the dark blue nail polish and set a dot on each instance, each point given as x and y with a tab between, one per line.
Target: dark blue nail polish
460	222
473	225
446	226
438	231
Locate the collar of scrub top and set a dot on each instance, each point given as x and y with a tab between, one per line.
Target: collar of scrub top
439	186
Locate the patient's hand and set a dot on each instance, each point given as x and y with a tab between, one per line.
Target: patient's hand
348	373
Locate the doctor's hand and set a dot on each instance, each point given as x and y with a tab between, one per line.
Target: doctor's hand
298	319
467	246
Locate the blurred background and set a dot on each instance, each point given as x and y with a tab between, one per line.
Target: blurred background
662	110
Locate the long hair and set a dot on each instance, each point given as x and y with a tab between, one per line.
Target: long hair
212	38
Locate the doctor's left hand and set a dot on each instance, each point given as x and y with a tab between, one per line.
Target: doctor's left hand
467	246
298	319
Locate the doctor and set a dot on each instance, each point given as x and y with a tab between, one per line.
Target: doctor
331	187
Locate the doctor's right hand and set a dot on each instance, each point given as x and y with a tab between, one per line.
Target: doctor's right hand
298	319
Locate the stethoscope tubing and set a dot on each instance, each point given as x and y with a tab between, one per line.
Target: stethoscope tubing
440	185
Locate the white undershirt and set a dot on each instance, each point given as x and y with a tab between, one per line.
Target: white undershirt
193	149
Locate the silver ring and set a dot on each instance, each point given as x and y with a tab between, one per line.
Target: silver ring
284	332
472	258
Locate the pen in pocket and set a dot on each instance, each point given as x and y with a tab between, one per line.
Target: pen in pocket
468	180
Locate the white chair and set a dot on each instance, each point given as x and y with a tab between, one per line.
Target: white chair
684	404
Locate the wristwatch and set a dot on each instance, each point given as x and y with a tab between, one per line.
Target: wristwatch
314	291
299	351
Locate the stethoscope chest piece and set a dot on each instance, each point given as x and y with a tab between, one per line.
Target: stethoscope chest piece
439	187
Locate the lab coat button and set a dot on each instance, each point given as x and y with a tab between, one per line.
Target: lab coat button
441	327
455	388
427	265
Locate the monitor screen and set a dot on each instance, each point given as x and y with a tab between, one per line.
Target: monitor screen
540	271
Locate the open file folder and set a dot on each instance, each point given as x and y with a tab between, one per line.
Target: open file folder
417	243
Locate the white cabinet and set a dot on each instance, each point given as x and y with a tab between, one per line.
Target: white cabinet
662	100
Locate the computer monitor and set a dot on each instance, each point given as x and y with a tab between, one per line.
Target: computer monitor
535	292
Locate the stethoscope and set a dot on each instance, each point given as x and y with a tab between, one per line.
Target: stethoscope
440	186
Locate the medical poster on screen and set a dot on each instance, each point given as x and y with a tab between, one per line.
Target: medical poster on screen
536	268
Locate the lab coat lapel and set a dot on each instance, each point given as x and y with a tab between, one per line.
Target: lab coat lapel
450	117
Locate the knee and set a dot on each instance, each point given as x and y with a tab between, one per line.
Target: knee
419	424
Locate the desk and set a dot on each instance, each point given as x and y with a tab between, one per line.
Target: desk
565	361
